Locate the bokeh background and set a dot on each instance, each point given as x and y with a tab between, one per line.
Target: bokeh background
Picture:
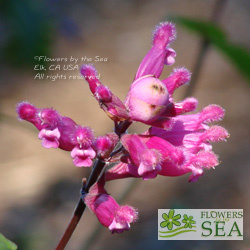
39	188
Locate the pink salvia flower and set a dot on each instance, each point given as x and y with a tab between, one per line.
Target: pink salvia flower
145	161
49	120
177	78
153	62
58	131
193	140
182	149
176	143
83	153
110	214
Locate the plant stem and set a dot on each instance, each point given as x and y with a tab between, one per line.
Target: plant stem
95	173
198	66
72	225
96	170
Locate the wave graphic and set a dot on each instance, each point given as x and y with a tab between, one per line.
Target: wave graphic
177	232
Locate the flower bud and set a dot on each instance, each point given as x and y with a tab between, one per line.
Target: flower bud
110	103
26	111
89	72
49	117
103	94
105	144
110	214
147	99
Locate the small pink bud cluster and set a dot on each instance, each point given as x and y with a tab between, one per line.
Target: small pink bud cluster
58	131
176	143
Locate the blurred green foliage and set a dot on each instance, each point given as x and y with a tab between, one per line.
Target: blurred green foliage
27	31
239	55
6	244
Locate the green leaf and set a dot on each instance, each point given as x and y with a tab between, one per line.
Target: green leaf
6	244
238	55
208	30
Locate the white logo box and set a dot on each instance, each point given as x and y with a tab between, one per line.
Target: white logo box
200	224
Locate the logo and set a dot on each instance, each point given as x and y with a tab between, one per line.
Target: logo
200	224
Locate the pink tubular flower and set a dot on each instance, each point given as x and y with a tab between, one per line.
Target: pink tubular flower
185	148
148	97
58	131
110	103
55	130
177	78
143	161
110	214
154	61
83	153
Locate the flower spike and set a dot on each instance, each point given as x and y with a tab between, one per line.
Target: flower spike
175	144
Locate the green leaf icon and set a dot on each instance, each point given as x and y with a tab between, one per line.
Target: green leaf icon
188	221
170	220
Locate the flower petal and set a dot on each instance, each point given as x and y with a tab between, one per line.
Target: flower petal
153	62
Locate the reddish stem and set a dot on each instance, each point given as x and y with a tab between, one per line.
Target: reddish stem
96	170
72	225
